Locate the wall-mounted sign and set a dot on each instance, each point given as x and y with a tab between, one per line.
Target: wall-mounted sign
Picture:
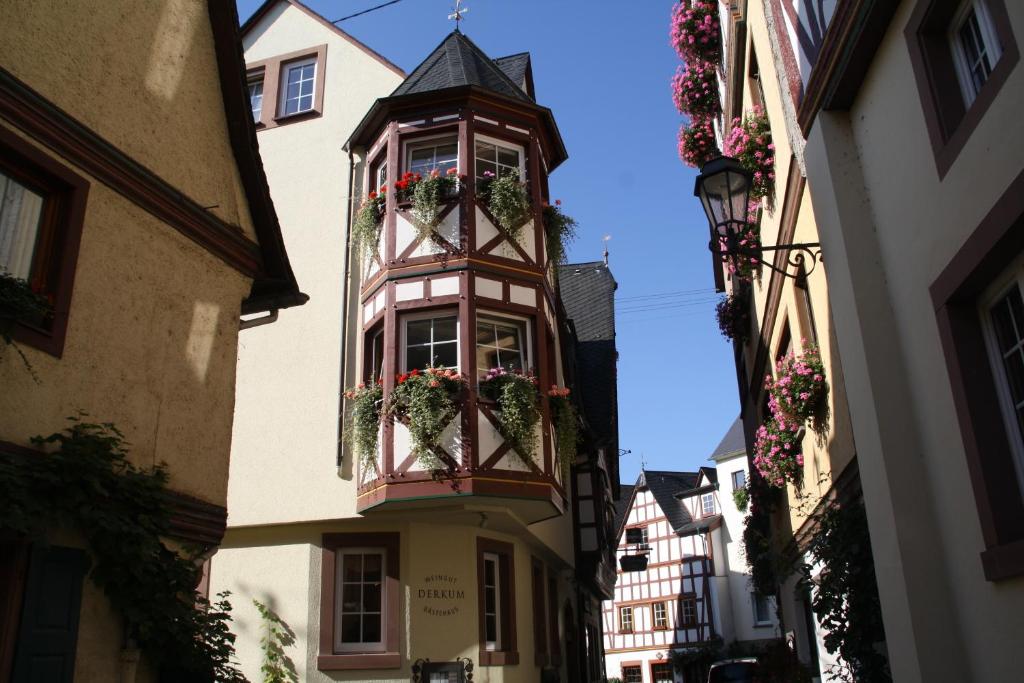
441	595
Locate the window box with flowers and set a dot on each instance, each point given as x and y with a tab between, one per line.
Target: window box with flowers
697	144
695	90
517	398
750	142
426	196
696	31
506	199
426	402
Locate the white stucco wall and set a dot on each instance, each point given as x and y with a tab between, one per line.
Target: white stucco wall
286	414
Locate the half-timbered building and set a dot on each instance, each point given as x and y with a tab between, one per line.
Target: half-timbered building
683	584
422	563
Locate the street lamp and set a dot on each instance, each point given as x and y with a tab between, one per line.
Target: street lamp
723	187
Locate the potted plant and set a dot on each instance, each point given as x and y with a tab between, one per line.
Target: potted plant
777	451
697	143
559	230
566	423
366	401
798	393
695	90
517	398
427	401
696	32
750	142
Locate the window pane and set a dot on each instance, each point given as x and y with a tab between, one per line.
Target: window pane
417	358
483	167
371	628
508	337
417	332
371	597
510	360
485	151
20	212
446	355
491	630
490	600
486	358
484	334
350	631
350	597
1015	376
353	568
445	329
372	567
508	157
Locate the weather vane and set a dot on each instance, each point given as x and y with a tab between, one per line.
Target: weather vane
457	13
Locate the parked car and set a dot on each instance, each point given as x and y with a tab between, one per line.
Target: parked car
734	671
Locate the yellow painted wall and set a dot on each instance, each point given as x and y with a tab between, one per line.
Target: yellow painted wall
143	75
150	346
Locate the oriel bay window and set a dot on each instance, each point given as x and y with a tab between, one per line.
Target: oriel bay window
496	592
359	608
430	342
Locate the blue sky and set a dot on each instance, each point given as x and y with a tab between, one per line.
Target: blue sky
604	69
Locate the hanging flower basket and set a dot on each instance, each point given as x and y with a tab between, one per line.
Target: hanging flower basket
733	313
366	226
517	398
750	142
429	401
799	390
695	90
697	144
777	452
696	32
366	401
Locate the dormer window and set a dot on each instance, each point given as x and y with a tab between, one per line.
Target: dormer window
499	158
439	153
707	504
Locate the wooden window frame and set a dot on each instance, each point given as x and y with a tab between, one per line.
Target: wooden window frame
555	642
632	619
949	120
508	653
271	71
986	254
654	615
683	622
656	663
60	233
631	665
389	658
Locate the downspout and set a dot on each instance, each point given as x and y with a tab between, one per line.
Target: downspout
344	304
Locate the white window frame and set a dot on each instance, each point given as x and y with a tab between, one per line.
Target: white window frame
1014	277
339	568
493	645
989	38
663	617
282	97
428	315
527	351
704	499
622	622
257	114
754	595
502	143
428	141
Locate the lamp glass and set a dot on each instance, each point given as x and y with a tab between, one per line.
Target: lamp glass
725	193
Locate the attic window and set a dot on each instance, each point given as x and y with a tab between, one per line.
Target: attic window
707	504
636	535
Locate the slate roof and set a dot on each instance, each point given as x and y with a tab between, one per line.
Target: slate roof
664	486
517	68
733	442
710	473
458	61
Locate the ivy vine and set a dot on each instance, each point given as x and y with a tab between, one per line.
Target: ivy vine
277	666
428	400
85	482
506	200
517	399
845	594
560	231
566	422
363	429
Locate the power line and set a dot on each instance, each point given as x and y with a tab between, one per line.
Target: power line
649	309
365	11
663	295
